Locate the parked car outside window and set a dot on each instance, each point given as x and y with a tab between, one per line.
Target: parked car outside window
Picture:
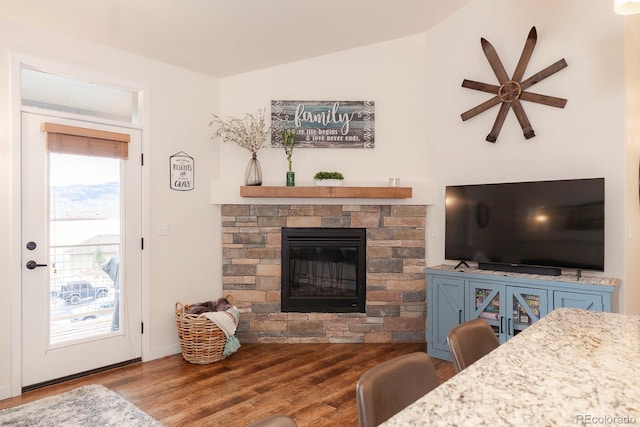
74	292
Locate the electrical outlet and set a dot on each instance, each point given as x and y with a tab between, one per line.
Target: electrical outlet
163	229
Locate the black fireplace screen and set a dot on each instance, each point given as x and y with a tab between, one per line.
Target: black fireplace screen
323	270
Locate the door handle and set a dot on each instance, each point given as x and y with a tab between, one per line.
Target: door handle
32	264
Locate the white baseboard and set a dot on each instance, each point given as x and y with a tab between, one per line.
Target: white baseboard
5	392
157	353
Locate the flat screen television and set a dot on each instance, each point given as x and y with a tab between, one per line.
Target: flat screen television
546	225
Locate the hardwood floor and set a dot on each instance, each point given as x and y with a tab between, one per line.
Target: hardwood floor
312	383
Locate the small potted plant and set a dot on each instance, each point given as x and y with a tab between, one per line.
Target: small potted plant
328	179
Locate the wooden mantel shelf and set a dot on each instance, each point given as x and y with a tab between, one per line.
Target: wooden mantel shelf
327	192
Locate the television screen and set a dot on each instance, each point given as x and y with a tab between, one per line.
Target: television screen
543	223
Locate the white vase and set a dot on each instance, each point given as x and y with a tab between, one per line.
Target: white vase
328	182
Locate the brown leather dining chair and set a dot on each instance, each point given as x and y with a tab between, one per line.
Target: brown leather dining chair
391	386
469	341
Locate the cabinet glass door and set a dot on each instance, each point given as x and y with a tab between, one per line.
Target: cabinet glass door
528	306
486	300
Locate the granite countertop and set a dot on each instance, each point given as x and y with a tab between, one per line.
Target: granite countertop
571	367
564	277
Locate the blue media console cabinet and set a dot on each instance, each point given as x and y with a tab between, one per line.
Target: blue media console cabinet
510	302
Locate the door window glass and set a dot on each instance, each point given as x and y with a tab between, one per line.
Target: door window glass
84	237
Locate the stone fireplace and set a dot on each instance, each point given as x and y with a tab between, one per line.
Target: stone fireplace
395	309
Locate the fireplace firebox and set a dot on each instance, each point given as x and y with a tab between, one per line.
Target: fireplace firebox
324	270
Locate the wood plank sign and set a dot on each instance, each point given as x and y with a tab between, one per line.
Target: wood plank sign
324	124
181	172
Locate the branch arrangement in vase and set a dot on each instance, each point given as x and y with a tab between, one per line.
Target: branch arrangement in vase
288	142
251	132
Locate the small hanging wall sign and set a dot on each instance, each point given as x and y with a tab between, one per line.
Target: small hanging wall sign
181	172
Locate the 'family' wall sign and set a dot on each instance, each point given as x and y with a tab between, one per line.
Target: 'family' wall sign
334	124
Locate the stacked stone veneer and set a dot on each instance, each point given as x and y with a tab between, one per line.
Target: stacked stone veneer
395	291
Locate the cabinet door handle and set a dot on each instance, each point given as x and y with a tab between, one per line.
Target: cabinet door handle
509	330
459	316
501	324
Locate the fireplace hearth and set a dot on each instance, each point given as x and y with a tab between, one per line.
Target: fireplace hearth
323	270
395	281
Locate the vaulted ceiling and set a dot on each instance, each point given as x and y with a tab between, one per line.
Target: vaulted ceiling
228	37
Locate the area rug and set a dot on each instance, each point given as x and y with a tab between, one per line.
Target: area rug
92	405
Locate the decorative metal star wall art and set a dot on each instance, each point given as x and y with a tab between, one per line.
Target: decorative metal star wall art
512	90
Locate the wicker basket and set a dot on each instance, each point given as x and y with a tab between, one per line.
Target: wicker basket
201	340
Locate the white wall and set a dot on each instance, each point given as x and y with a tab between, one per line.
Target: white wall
585	139
416	84
179	267
388	73
632	78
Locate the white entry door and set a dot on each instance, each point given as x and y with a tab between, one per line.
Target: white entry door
81	251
